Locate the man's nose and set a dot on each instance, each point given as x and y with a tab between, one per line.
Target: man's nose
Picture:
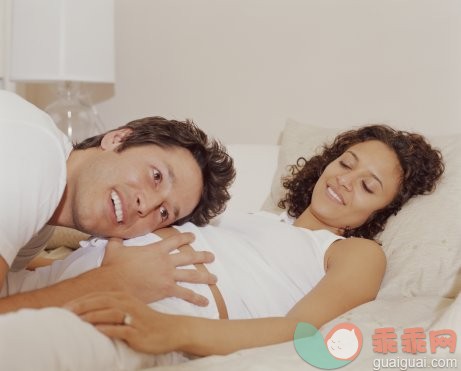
148	201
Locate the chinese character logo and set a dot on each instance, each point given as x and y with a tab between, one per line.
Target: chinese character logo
340	347
413	340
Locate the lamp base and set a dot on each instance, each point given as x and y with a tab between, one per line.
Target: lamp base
73	113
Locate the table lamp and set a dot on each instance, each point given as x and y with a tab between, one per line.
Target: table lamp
66	42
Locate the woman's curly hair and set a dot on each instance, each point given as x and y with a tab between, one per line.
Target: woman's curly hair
422	166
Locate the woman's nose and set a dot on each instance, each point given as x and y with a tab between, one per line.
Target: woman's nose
345	180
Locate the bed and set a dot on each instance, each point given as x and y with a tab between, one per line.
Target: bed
423	248
422	244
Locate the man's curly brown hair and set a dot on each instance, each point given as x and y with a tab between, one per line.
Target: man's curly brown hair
216	165
422	166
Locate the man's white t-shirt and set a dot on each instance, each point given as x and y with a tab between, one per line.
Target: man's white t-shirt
33	154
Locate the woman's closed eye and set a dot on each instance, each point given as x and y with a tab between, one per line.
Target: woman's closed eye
366	188
344	165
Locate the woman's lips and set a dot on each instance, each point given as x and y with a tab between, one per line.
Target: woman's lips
337	197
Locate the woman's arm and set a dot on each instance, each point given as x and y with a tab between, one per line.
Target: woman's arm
355	268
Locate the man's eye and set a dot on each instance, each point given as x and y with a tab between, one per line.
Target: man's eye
164	213
157	175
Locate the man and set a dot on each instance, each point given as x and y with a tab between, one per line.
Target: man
149	174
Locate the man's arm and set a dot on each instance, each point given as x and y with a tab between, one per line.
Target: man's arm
147	272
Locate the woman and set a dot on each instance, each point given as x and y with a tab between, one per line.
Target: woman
274	275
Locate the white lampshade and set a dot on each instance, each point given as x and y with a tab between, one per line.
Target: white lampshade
62	40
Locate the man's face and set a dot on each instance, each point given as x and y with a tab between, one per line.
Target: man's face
135	191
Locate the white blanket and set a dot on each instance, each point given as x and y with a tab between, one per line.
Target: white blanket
399	313
70	344
56	339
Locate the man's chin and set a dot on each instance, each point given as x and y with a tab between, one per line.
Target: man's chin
98	231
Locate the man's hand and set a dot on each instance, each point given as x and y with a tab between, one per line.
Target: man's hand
151	272
148	272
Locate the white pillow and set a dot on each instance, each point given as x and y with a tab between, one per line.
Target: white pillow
297	140
423	242
255	165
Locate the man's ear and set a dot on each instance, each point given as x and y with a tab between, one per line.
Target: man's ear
112	139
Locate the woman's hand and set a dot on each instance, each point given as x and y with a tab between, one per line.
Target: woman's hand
122	316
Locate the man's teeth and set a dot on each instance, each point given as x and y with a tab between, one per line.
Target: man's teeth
118	206
333	193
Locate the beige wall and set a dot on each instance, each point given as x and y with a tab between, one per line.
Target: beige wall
5	24
2	40
241	67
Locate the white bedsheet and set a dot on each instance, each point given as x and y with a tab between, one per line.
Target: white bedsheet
399	313
75	345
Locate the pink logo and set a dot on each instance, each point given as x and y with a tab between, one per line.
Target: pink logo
344	341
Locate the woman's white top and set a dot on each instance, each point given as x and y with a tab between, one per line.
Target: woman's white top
263	263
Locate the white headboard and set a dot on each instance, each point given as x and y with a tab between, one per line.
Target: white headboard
255	165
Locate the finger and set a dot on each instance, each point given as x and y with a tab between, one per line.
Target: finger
94	301
117	332
114	242
81	307
113	245
172	243
84	303
189	257
190	296
106	316
195	276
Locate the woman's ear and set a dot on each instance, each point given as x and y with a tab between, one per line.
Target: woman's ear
112	139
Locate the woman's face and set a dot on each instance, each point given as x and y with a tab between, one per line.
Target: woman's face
364	179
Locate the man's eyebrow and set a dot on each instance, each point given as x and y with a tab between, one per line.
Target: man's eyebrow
172	179
372	174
